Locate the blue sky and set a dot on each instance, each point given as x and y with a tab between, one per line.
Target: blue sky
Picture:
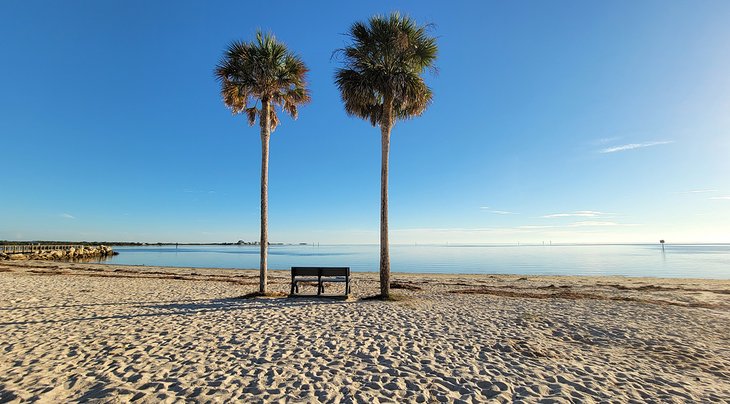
562	121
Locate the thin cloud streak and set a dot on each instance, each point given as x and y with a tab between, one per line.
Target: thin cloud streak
589	223
519	229
632	146
193	191
497	212
720	198
578	213
605	140
67	216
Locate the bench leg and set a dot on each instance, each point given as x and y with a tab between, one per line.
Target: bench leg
292	288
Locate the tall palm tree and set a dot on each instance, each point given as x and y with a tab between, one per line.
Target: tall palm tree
256	77
381	82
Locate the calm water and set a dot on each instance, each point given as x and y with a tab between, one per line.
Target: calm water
682	261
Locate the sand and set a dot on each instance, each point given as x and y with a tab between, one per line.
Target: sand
98	333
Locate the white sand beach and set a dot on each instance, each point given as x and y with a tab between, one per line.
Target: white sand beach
106	333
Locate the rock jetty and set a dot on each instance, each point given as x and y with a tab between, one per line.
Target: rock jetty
65	254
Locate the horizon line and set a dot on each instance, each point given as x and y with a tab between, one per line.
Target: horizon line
447	243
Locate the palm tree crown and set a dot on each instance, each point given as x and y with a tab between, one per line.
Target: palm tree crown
385	61
263	70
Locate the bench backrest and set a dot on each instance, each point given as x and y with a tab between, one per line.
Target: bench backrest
320	271
304	271
336	271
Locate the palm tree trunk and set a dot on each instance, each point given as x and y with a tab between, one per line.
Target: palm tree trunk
265	135
385	128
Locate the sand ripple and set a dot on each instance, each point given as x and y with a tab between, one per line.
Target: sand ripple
112	339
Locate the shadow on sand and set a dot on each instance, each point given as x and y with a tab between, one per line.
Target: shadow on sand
181	308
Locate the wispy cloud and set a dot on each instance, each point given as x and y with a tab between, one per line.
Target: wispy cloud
579	213
584	223
590	223
605	140
701	191
535	227
632	146
193	191
67	216
519	229
450	229
719	198
497	212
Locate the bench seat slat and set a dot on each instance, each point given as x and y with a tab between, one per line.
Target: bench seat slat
298	279
334	279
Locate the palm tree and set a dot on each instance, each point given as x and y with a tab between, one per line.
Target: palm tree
256	77
381	82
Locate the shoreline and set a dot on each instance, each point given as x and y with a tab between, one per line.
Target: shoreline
77	331
98	265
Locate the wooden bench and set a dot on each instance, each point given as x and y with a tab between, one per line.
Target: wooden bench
319	275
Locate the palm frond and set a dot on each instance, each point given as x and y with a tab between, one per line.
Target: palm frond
262	69
273	119
251	114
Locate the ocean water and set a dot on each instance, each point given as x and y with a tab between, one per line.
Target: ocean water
676	261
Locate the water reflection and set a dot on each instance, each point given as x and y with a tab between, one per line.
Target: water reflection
91	260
